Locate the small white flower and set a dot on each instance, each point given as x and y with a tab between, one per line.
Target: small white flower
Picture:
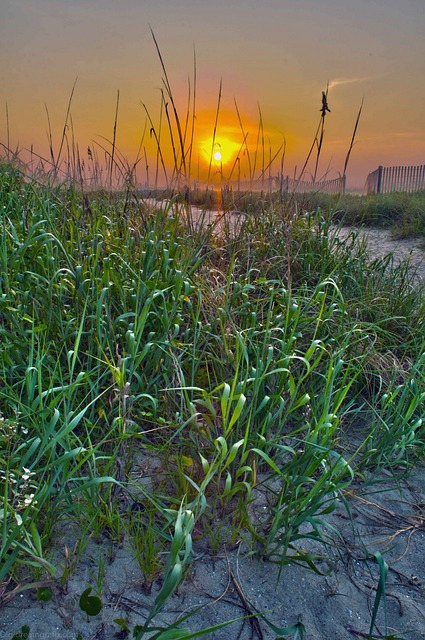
27	474
29	499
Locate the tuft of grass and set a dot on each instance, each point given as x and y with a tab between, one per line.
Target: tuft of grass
402	213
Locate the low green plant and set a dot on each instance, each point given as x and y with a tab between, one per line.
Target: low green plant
178	561
91	605
23	634
380	593
379	602
147	541
397	431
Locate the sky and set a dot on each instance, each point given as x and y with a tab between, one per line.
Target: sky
261	67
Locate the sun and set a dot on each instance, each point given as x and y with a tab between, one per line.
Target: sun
220	152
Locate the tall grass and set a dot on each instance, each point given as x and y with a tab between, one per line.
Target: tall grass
238	356
227	355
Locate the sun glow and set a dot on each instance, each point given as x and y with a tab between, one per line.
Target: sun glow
221	152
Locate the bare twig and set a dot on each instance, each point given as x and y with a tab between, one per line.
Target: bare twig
253	619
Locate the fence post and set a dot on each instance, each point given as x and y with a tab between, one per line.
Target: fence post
379	184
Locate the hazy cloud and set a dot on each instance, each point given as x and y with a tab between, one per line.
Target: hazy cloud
338	81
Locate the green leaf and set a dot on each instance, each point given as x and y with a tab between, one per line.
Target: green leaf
233	452
237	412
380	591
173	634
225	400
23	634
44	594
122	623
92	605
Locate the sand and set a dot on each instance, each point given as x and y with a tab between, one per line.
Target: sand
387	516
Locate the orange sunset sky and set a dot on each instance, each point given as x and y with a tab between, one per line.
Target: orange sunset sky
270	55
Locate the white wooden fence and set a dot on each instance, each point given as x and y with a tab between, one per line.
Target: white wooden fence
388	179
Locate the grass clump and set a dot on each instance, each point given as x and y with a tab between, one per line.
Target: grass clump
227	364
402	213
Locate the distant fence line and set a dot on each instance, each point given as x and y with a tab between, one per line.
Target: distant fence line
388	179
274	183
289	185
292	185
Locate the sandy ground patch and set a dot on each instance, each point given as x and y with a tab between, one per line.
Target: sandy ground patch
388	516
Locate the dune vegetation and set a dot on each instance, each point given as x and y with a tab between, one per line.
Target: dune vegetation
160	365
255	351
